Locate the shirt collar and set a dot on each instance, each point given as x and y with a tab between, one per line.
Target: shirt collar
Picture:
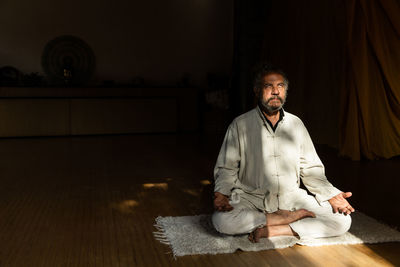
264	118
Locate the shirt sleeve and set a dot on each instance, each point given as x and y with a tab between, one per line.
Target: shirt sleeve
312	171
227	167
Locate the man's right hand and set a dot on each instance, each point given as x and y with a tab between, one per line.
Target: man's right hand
221	202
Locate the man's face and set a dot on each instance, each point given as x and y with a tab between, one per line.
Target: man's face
272	94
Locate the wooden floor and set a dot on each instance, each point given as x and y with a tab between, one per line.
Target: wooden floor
92	201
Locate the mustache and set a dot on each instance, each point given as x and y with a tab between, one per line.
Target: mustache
275	97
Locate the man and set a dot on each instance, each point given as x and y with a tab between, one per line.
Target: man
265	153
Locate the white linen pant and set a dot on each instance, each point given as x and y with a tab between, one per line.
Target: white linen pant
246	217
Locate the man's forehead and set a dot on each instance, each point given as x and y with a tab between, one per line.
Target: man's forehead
273	77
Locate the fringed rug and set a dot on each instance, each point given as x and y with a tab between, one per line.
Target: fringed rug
189	235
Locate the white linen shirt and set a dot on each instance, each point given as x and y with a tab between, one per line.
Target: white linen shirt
266	166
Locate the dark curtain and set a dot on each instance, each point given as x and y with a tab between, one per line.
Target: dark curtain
343	62
370	117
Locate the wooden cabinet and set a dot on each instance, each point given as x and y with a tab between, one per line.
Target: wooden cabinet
90	111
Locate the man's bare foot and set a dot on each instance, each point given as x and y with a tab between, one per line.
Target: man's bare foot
268	231
258	233
282	217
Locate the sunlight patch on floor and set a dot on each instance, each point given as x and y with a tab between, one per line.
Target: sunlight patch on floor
163	186
191	192
342	255
125	206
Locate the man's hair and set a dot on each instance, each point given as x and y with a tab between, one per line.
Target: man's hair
264	69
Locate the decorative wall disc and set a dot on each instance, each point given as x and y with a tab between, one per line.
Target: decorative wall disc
68	60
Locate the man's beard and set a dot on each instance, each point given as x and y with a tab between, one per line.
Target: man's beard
273	108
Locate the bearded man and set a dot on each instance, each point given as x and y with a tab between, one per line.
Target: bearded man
265	153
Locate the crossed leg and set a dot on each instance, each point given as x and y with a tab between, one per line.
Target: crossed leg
245	219
311	220
278	224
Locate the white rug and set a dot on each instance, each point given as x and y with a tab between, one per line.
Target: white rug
189	235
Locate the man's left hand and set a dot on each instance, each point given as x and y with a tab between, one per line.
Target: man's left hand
340	204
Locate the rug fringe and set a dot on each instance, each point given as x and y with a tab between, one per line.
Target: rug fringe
160	234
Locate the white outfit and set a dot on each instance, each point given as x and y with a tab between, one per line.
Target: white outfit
262	170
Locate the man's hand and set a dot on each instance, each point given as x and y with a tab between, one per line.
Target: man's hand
340	204
221	202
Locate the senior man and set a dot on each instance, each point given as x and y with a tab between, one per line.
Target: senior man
265	153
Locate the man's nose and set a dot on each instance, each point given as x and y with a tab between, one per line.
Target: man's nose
275	90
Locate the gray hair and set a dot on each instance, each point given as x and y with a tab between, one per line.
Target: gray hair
264	69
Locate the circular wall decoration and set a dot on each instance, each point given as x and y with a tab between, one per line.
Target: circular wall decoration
68	60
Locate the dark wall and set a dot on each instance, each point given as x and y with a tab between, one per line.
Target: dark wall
161	41
157	40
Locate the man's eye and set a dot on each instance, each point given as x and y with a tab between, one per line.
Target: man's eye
281	85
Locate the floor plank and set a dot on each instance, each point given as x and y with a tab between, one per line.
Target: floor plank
92	201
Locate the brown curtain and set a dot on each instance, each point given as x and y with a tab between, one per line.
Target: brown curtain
370	106
343	61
